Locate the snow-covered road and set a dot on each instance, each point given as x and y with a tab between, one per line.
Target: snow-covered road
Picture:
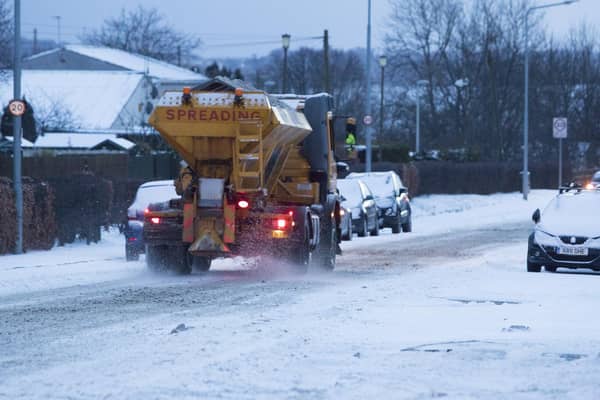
447	311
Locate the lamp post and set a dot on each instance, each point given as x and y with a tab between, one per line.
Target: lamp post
368	95
420	83
382	64
285	42
525	172
460	84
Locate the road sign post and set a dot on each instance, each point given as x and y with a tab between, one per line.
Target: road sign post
559	131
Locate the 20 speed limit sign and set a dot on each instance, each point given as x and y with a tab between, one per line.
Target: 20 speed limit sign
16	107
559	128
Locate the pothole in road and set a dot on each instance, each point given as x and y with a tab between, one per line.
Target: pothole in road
476	349
481	301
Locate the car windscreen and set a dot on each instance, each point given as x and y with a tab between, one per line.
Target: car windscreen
381	186
596	177
154	194
351	191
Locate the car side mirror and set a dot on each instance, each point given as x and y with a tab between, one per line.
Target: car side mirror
536	216
342	198
342	168
402	190
369	197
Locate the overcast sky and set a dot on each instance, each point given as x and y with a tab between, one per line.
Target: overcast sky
232	28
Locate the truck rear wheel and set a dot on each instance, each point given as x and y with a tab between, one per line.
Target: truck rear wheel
155	257
327	247
300	254
180	260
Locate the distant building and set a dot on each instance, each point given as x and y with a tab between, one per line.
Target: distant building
99	58
88	100
71	143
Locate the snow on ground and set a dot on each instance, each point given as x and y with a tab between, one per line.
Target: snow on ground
472	326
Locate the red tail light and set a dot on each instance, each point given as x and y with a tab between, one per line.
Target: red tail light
155	220
146	211
243	204
281	223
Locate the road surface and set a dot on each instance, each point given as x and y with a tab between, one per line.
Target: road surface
447	314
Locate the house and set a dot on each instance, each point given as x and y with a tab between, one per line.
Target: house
91	100
72	143
100	58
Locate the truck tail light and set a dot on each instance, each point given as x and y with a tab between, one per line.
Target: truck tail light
155	220
243	204
281	223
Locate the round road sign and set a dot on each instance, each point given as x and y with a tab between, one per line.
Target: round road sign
367	120
559	126
16	108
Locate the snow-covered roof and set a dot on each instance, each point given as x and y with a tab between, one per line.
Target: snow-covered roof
132	62
94	98
79	141
24	142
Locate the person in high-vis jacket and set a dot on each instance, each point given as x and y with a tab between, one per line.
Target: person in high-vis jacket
350	134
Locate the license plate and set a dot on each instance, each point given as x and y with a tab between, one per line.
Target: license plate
573	251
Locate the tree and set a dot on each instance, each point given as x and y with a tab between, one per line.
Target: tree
213	70
144	31
6	34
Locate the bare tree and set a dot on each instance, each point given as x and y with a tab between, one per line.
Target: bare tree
145	31
6	34
53	115
419	36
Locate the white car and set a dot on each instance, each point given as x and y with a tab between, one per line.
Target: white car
567	233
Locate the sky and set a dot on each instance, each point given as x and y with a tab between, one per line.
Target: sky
237	28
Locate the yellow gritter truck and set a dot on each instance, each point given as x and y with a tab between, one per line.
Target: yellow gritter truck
259	179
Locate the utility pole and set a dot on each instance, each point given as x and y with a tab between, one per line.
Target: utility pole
17	131
327	84
34	50
57	29
368	99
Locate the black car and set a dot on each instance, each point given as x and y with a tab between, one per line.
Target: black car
566	233
149	192
391	197
357	197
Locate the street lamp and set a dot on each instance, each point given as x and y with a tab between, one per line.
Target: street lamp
285	42
382	64
525	172
420	83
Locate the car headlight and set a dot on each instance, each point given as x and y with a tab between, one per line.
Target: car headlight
544	239
593	242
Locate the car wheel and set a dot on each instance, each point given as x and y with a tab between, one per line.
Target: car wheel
407	227
131	254
350	233
397	225
365	229
375	231
550	269
532	267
